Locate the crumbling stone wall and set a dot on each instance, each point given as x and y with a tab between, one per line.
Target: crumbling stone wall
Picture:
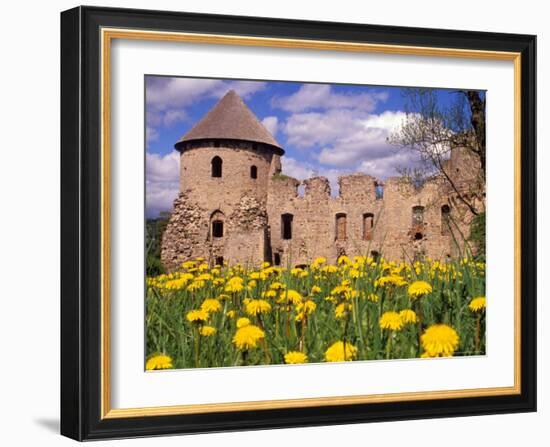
253	208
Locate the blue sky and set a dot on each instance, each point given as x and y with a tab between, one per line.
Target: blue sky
325	129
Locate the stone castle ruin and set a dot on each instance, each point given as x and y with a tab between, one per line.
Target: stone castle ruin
236	206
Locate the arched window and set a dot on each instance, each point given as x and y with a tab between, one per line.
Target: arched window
341	229
368	226
378	190
445	219
286	226
217	228
253	172
217	220
216	166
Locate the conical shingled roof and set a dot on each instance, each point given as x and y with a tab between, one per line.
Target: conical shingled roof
230	119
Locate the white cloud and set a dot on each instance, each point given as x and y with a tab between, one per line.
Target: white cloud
271	123
161	182
167	98
351	140
151	134
321	96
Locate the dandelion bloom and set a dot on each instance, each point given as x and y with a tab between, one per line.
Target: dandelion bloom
477	304
319	261
242	322
255	307
248	336
230	314
290	296
315	289
294	357
391	320
277	286
439	340
419	288
211	305
391	280
408	316
338	353
341	311
235	284
207	331
308	307
197	316
159	361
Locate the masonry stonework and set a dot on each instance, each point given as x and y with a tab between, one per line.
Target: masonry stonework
236	206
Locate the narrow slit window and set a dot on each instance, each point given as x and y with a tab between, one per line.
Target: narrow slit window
286	226
445	219
253	172
341	230
216	167
217	228
368	226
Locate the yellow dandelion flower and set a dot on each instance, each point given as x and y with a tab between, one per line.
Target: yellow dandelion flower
269	294
295	357
211	305
265	265
159	361
223	296
418	289
207	331
307	307
439	340
319	261
340	352
341	311
391	320
277	286
255	307
290	296
188	264
391	280
235	284
242	322
315	289
478	304
408	316
248	336
197	316
230	314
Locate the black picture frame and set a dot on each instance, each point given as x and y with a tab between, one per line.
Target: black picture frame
81	210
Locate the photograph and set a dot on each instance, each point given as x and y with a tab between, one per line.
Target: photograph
298	222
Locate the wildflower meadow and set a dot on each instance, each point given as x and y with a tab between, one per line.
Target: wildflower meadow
359	309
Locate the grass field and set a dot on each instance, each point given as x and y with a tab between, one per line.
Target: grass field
356	310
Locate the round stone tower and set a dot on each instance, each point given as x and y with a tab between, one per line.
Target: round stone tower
225	164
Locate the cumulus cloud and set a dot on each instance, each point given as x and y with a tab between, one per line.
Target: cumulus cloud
322	96
350	140
167	98
271	123
161	182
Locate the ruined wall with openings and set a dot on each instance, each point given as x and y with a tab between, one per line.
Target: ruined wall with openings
266	218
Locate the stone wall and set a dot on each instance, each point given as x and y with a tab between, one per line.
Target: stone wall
398	221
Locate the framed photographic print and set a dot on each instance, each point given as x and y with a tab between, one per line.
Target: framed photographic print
276	223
